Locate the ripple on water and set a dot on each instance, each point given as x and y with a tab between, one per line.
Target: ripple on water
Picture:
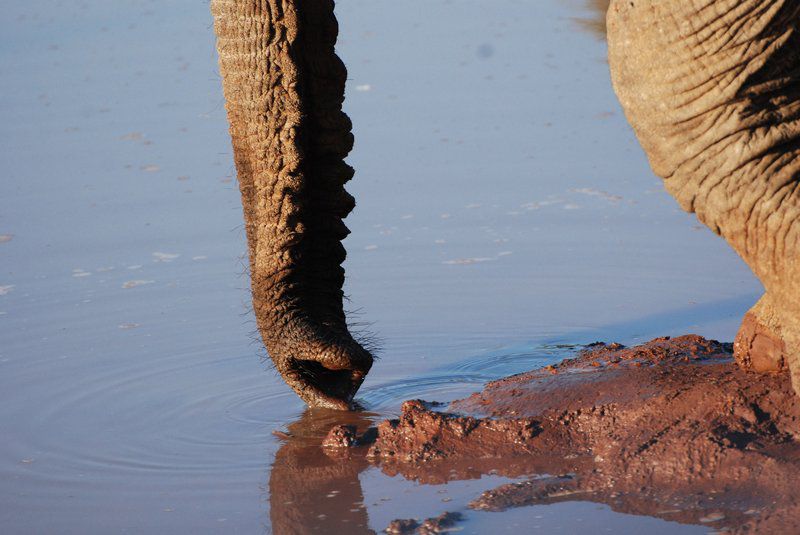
463	377
150	416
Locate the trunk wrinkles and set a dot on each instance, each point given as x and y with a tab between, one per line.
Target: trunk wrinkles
284	88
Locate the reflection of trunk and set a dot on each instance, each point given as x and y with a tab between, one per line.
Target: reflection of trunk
713	94
311	492
284	87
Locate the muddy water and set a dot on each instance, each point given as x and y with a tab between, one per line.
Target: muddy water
505	215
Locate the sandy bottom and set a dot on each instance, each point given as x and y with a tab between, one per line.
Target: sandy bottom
671	429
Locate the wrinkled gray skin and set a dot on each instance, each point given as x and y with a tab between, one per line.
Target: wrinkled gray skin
712	90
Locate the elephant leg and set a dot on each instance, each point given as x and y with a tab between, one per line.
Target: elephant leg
712	90
284	88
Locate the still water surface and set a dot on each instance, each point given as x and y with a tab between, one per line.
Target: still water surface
505	214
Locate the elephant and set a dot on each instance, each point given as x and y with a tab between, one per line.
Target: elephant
712	91
284	87
711	88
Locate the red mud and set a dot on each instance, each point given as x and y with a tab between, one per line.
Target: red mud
438	524
672	428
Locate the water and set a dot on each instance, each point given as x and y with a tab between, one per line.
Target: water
504	210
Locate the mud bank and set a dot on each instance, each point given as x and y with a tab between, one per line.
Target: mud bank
671	429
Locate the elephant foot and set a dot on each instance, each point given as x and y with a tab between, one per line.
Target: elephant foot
769	343
759	345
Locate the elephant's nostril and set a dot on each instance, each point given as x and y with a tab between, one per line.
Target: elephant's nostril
339	384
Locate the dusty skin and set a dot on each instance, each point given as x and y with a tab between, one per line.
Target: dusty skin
672	429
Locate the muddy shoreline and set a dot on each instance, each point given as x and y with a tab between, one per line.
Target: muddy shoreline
672	429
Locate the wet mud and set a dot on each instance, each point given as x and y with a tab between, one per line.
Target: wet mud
443	522
672	429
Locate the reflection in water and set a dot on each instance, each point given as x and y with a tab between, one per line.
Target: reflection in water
314	490
597	22
728	503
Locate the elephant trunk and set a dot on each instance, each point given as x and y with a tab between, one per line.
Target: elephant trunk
284	88
712	90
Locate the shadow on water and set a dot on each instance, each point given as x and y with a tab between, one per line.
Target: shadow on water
679	320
